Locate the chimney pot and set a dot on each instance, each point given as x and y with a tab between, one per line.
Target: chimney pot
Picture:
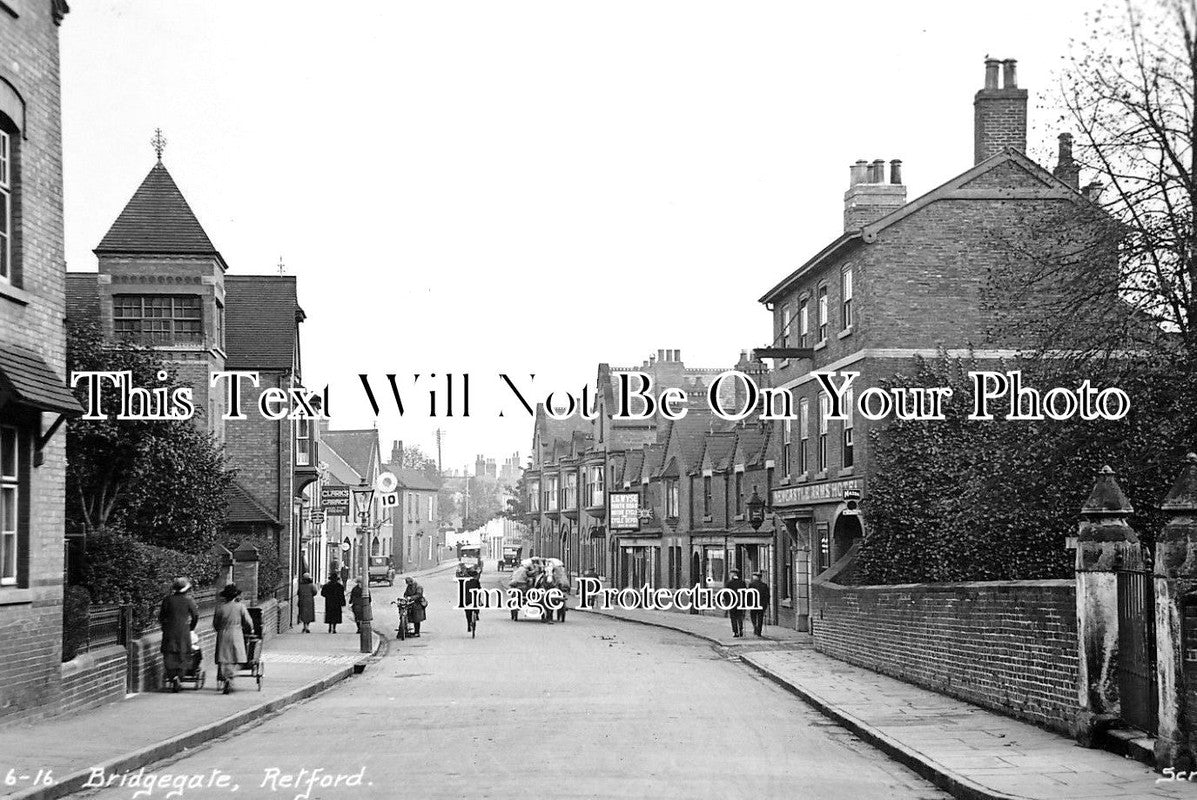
857	172
895	171
991	73
1008	74
660	355
878	172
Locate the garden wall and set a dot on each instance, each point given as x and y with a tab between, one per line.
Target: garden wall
1010	646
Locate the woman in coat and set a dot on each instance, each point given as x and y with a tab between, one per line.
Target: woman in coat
307	601
177	617
415	593
232	622
357	602
334	599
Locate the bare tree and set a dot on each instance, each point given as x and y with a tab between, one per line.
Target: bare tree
1130	94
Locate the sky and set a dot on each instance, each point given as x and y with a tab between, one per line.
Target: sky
526	187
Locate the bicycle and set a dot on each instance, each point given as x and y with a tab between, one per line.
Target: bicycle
403	604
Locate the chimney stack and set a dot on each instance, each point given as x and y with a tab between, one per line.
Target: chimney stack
1093	190
1067	170
397	452
1000	115
869	197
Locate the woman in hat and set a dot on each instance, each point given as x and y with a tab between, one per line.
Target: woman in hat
307	601
232	622
333	593
177	617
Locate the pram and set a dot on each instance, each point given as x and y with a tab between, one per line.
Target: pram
194	674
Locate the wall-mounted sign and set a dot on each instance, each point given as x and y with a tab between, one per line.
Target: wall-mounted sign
830	492
623	511
334	500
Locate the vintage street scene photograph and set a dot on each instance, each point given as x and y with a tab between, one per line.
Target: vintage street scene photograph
672	399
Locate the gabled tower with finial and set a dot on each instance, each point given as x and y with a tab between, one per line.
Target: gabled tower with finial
162	284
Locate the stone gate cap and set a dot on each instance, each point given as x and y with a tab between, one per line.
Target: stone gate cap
1107	498
246	551
1183	496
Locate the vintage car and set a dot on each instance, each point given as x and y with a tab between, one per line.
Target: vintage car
469	557
511	557
381	570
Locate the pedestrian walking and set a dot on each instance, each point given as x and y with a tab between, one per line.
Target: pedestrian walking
736	583
177	617
344	575
307	601
357	602
333	593
471	584
757	615
415	593
232	623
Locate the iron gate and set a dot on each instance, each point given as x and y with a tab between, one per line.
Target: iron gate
1136	649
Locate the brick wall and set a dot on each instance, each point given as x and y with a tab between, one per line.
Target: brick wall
31	316
147	658
1008	646
94	679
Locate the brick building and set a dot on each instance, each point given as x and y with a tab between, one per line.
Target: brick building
348	457
576	461
162	283
416	540
33	393
902	281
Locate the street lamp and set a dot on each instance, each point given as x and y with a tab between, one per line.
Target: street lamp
756	510
363	495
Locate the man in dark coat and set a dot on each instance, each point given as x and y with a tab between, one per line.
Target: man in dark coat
177	617
417	612
758	615
471	584
736	614
334	600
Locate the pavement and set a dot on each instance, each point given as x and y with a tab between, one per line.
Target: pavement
968	751
592	708
145	728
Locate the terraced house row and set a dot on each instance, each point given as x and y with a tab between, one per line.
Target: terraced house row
902	281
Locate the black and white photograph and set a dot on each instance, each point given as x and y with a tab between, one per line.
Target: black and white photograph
664	399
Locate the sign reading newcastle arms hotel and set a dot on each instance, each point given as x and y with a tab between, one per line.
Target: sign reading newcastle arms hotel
833	491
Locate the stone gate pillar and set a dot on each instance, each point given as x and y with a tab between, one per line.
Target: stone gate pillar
224	557
1176	624
1105	544
245	572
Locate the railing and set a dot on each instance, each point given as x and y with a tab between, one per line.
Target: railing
103	625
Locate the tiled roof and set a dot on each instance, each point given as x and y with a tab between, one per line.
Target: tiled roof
413	479
262	315
157	220
358	448
631	472
243	507
719	449
31	382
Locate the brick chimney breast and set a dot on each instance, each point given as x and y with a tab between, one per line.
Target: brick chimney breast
1000	114
869	196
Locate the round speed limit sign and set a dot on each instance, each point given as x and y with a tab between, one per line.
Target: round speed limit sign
345	547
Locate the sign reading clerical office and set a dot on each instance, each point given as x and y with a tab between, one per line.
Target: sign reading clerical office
334	500
624	511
